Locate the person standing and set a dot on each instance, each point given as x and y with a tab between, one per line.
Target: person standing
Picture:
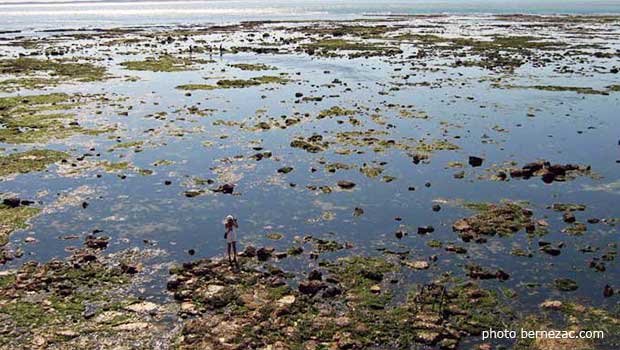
230	224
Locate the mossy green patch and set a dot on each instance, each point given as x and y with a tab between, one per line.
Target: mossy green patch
236	83
83	72
557	88
37	118
252	66
191	87
335	111
328	47
503	219
12	219
29	161
276	236
435	145
125	145
165	63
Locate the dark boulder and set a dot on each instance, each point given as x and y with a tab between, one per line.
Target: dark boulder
315	275
475	161
12	202
311	287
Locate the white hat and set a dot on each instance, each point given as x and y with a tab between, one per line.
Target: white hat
227	219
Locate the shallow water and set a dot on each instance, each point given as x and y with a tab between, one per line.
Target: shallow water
463	108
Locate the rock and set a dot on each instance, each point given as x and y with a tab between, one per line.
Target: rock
418	265
263	254
551	304
133	326
548	177
225	188
455	249
280	255
130	268
347	185
286	300
296	250
331	292
12	202
375	289
66	333
142	307
476	272
315	275
89	311
459	175
550	250
311	287
250	251
568	217
475	161
425	229
95	242
285	170
597	265
501	275
189	308
427	337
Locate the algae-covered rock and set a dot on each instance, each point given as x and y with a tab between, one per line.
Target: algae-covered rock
29	161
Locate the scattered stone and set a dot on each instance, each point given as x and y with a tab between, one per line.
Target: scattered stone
475	161
347	185
96	242
311	287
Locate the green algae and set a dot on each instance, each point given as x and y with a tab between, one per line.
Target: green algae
236	83
191	87
252	66
37	118
334	112
275	236
329	46
165	63
115	166
502	219
12	85
29	161
358	274
82	72
435	145
80	297
129	144
557	88
12	219
371	171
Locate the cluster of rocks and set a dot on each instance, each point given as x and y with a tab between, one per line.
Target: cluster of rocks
547	172
494	219
258	305
83	301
